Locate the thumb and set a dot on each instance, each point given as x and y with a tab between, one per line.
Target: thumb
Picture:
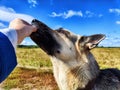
28	30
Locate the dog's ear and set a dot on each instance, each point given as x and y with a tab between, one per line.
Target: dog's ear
91	41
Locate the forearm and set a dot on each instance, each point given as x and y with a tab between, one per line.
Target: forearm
7	53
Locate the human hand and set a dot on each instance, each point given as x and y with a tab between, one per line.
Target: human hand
23	29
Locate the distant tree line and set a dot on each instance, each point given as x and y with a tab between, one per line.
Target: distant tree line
27	46
35	46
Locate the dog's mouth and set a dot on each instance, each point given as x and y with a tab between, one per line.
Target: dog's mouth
44	38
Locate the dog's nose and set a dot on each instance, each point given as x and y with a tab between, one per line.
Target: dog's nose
34	20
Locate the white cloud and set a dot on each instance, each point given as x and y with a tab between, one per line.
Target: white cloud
112	39
24	42
27	41
54	14
68	14
110	43
3	8
118	22
8	14
71	13
32	3
115	10
2	25
100	15
89	14
57	26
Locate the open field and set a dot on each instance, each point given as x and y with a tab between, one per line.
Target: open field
30	76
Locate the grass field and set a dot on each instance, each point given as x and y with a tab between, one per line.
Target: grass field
30	76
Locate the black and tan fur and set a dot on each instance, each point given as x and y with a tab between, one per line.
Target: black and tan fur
74	67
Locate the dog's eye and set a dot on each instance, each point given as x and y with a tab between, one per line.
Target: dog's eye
57	51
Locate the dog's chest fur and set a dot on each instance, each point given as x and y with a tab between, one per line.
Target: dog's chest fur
70	78
67	78
60	73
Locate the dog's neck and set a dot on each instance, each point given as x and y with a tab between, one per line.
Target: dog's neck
76	75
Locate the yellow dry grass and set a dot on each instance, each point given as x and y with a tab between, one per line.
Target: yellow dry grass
107	57
32	79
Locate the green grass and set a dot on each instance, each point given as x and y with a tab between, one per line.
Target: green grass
107	57
33	57
28	79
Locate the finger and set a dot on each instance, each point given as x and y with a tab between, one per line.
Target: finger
34	28
29	29
26	23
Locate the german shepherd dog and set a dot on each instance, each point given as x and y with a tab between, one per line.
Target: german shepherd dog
74	67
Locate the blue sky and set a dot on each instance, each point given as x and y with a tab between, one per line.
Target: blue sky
84	17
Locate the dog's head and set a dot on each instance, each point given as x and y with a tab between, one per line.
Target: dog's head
61	43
